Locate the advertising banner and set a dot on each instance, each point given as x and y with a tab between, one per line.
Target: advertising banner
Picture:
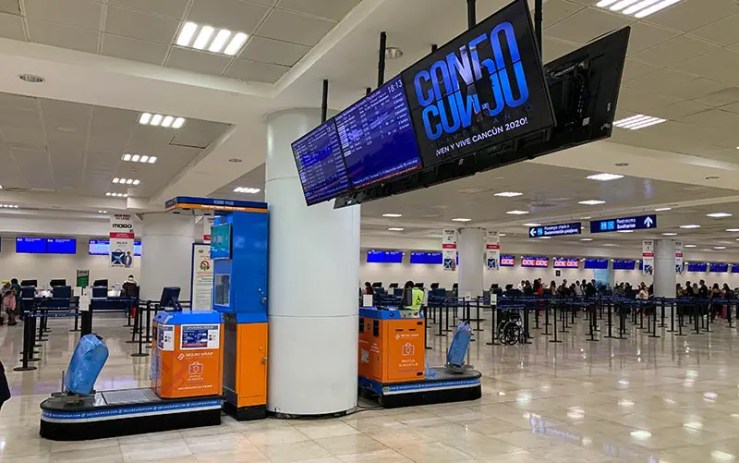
202	278
121	240
449	249
207	225
647	253
492	250
83	278
679	264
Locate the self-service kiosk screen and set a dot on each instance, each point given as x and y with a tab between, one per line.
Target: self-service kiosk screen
220	241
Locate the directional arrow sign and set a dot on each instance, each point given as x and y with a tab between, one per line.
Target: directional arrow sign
642	222
556	230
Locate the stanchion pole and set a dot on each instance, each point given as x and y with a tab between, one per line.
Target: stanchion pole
653	334
76	319
546	319
554	307
563	314
696	310
673	307
441	319
139	323
662	318
493	328
424	311
148	322
591	322
729	306
622	322
477	312
526	336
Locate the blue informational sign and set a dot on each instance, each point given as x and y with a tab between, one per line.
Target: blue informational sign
419	257
377	137
642	222
624	264
596	264
718	267
384	257
697	267
563	229
61	246
735	268
320	164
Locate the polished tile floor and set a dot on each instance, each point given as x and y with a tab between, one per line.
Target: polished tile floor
667	399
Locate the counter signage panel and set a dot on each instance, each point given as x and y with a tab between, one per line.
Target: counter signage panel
30	245
61	246
562	229
534	261
419	257
718	267
384	257
697	267
597	264
320	164
507	261
566	262
483	88
377	137
642	222
624	264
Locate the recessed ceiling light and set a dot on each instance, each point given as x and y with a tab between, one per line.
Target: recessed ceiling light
126	181
393	216
31	78
719	215
532	224
140	158
719	248
393	52
247	190
545	237
592	202
159	120
461	219
397	229
732	230
9	206
102	212
501	234
585	218
517	212
689	226
691	246
663	209
639	121
586	239
117	195
637	8
625	231
641	434
604	177
669	234
508	194
223	41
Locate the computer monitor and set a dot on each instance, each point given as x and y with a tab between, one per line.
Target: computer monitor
434	285
393	285
170	298
100	283
33	283
62	292
58	282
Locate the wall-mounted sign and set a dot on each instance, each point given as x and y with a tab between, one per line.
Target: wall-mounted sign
507	261
642	222
449	249
534	261
562	229
566	262
492	250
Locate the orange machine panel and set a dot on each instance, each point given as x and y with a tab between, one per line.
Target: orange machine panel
251	364
392	351
189	360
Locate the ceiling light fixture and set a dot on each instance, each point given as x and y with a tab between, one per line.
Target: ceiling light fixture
592	202
545	237
604	177
392	216
669	234
157	120
140	158
461	219
640	121
508	194
102	212
396	229
586	239
690	226
719	248
532	224
625	231
517	212
247	190
224	41
235	160
663	209
719	215
691	246
637	8
116	195
31	78
9	206
126	181
732	230
393	52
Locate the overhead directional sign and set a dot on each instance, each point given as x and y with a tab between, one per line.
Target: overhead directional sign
642	222
556	230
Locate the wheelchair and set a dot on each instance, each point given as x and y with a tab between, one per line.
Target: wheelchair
510	328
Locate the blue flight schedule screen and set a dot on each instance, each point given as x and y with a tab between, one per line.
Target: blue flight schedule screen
61	246
320	165
377	136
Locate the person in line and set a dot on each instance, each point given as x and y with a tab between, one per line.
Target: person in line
9	300
703	290
689	292
130	288
368	291
679	292
714	309
17	287
553	288
4	388
728	293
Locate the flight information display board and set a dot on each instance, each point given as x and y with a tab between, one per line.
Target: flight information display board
320	164
697	266
535	261
420	257
384	257
483	88
507	261
596	264
377	137
30	245
102	248
624	264
718	267
61	246
566	262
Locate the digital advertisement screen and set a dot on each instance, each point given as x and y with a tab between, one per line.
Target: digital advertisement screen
61	246
717	267
483	88
30	245
697	267
507	261
377	137
566	262
596	264
621	264
320	164
418	257
384	257
534	261
220	241
102	248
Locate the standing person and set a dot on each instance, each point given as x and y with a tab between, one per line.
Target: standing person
553	288
17	287
703	290
4	388
9	300
368	291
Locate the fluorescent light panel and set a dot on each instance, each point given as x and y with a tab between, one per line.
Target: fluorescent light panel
126	181
592	202
161	120
116	195
140	158
204	37
604	177
637	8
392	216
663	209
9	206
640	121
461	219
516	212
246	190
690	226
397	229
532	224
719	215
508	194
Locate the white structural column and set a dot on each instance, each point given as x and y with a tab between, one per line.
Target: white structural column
471	245
166	254
665	277
313	285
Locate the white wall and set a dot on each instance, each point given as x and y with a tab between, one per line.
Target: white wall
45	267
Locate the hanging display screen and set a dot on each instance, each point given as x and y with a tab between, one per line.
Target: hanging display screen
621	264
320	164
384	257
30	245
61	246
102	248
717	267
596	264
534	261
566	262
483	88
377	137
507	261
419	257
697	267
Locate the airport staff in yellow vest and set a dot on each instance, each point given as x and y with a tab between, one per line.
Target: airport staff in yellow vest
412	297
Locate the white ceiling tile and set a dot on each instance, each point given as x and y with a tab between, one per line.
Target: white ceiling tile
142	26
720	64
675	51
734	108
10	6
674	83
692	14
645	36
635	69
23	136
11	27
28	119
721	98
8	100
293	27
197	134
197	61
679	111
62	36
557	10
643	102
170	8
34	167
229	14
725	31
274	51
134	49
715	118
586	25
71	13
330	9
554	48
256	71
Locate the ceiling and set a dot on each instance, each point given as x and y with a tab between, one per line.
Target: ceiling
280	31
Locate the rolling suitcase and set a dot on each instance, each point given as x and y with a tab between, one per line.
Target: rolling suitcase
459	346
87	361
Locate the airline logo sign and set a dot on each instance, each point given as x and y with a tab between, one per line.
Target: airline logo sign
449	249
563	229
121	240
642	222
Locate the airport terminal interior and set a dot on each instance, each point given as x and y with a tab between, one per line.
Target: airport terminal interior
369	231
